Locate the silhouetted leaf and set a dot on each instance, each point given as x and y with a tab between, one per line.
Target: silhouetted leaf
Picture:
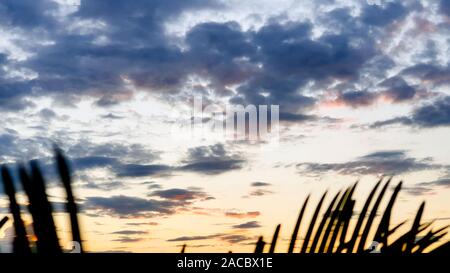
311	225
325	218
274	239
372	215
71	206
297	226
20	243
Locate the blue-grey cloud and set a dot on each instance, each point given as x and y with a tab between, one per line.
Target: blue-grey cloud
131	45
89	162
138	170
194	238
129	207
130	232
260	184
74	64
128	239
182	195
435	114
398	89
435	74
357	98
27	13
382	15
445	7
377	163
247	225
430	187
210	160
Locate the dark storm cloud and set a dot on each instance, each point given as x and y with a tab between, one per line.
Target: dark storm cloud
435	114
278	58
398	120
377	163
47	114
182	195
395	89
134	160
435	74
247	225
138	152
13	95
398	89
210	160
357	98
382	15
432	115
166	203
445	7
124	160
27	13
130	21
128	206
137	170
75	64
293	117
290	59
215	52
89	162
14	148
260	184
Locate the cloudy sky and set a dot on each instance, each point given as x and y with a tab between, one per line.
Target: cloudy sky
363	89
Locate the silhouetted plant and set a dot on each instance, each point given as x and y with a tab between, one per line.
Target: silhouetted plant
334	227
40	208
20	243
3	221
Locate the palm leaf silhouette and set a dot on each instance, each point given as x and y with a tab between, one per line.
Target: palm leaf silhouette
334	227
297	226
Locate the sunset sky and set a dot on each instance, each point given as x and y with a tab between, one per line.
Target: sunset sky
363	89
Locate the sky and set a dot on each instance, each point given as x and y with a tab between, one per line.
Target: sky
363	89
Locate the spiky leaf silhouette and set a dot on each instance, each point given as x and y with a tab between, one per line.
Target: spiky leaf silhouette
297	226
64	173
274	239
333	229
312	223
325	218
20	243
4	221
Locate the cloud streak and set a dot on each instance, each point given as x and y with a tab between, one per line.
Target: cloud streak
388	163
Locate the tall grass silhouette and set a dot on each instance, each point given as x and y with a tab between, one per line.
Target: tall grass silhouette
329	230
39	207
